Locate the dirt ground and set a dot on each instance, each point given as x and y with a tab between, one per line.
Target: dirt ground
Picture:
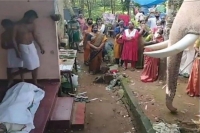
107	116
151	97
104	115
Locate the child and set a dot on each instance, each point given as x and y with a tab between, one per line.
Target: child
6	43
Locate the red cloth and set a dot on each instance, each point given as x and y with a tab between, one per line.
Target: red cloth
158	39
125	18
154	30
150	71
130	48
194	80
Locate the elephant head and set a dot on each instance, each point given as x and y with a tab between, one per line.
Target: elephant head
184	32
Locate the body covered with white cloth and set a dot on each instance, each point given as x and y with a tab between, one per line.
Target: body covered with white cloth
18	108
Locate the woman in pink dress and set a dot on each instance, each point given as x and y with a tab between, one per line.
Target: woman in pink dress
130	49
81	21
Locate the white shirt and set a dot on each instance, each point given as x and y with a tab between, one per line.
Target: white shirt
152	22
102	29
138	15
131	34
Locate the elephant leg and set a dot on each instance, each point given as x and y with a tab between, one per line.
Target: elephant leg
173	64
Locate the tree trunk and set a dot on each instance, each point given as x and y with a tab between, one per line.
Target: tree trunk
89	8
114	6
73	3
172	7
111	5
104	5
82	6
68	5
128	6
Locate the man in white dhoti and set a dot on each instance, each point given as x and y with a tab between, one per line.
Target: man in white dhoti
7	44
24	35
186	62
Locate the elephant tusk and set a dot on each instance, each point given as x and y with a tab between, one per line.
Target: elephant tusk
178	47
157	46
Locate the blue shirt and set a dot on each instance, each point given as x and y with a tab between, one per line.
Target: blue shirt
117	30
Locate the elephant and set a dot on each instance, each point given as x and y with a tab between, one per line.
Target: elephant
184	32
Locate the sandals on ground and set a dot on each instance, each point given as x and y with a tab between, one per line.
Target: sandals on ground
124	68
132	69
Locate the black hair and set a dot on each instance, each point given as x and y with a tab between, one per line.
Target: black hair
161	31
30	14
88	19
142	12
94	26
7	23
140	21
119	20
74	16
98	19
132	23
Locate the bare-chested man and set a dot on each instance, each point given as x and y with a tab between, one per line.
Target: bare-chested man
24	35
7	44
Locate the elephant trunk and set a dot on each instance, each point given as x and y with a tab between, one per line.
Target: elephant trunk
174	53
173	65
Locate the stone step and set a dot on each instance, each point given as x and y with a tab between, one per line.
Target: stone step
78	117
61	114
43	113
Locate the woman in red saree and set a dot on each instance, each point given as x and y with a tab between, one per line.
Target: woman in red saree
130	48
150	71
193	86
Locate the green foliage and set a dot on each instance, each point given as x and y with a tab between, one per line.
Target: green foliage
125	5
98	7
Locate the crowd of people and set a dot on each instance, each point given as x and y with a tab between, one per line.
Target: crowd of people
129	42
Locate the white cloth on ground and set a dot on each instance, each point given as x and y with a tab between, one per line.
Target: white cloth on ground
29	56
20	105
187	57
13	61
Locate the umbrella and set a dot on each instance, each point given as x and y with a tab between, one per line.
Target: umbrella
149	3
